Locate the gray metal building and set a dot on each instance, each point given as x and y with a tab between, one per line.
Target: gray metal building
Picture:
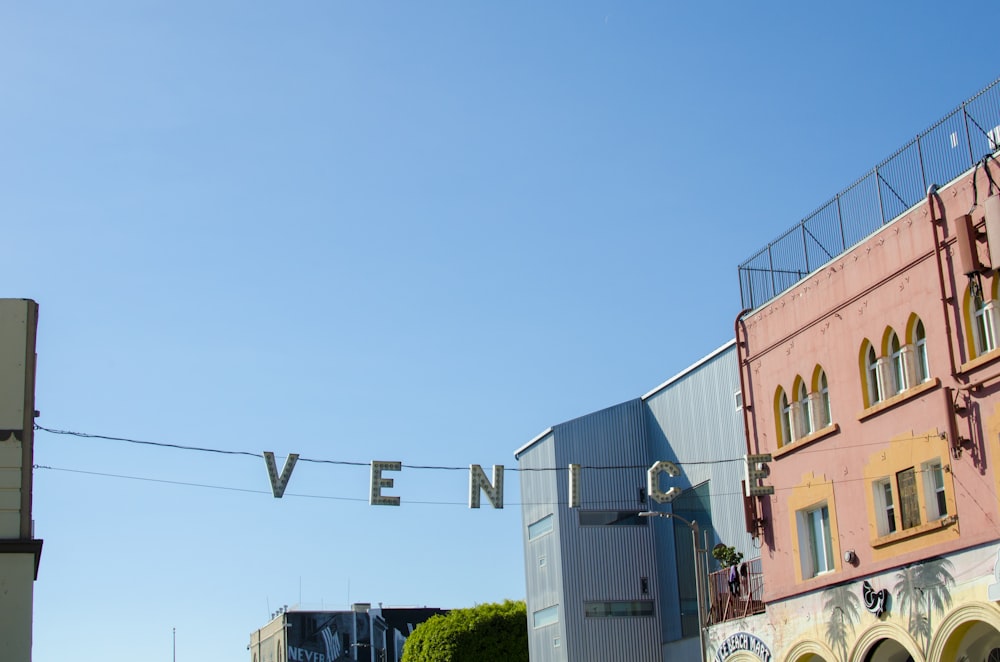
602	583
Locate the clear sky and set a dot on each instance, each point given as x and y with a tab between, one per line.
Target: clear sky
419	231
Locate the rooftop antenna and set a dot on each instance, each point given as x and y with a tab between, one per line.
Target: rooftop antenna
175	644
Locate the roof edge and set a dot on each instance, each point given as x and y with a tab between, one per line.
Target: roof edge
689	369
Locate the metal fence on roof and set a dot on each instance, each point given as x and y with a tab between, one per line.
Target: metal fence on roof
936	156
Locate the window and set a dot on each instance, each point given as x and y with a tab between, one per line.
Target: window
825	413
896	359
805	412
785	419
540	528
815	541
871	377
909	503
617	608
985	327
544	617
934	494
920	351
611	518
885	510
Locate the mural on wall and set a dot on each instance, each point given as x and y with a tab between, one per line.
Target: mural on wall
924	589
842	607
326	636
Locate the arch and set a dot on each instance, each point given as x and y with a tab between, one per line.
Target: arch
868	370
808	651
894	350
980	320
873	635
916	337
821	386
803	406
887	335
742	656
958	623
782	417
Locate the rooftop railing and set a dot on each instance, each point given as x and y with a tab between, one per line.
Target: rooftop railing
941	153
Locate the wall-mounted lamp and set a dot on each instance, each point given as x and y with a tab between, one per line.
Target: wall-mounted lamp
850	557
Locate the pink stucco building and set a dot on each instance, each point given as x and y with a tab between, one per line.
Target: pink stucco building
873	383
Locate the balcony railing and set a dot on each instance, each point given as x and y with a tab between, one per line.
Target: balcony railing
938	155
729	600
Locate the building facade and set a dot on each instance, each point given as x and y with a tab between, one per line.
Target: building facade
873	383
604	583
19	550
373	634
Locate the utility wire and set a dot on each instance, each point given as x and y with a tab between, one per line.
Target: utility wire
350	463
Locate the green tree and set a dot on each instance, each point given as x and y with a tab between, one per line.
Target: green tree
492	632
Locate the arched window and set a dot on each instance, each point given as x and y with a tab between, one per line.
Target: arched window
825	414
871	376
896	360
985	328
805	410
922	367
784	416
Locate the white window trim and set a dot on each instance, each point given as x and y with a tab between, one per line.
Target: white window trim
930	471
882	488
985	320
812	563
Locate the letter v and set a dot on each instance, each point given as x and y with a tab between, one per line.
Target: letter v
278	484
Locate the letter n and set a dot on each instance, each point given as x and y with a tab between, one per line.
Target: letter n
478	482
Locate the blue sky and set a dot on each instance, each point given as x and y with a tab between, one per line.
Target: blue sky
420	232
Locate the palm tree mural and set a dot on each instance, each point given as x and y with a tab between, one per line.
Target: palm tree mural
922	590
842	607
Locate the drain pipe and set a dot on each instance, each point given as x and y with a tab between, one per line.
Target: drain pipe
932	194
751	506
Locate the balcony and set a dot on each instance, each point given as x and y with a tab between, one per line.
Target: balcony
739	599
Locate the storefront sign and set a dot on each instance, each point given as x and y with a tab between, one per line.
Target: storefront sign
742	641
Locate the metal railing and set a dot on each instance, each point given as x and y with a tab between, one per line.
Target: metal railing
730	600
941	153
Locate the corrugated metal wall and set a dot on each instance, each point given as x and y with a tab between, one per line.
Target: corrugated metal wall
543	569
694	422
692	418
608	562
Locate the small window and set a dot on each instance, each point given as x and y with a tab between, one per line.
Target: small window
825	413
738	399
885	510
871	374
785	414
545	617
909	502
541	561
540	528
805	411
815	541
617	608
899	382
934	494
920	351
611	518
985	327
556	643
